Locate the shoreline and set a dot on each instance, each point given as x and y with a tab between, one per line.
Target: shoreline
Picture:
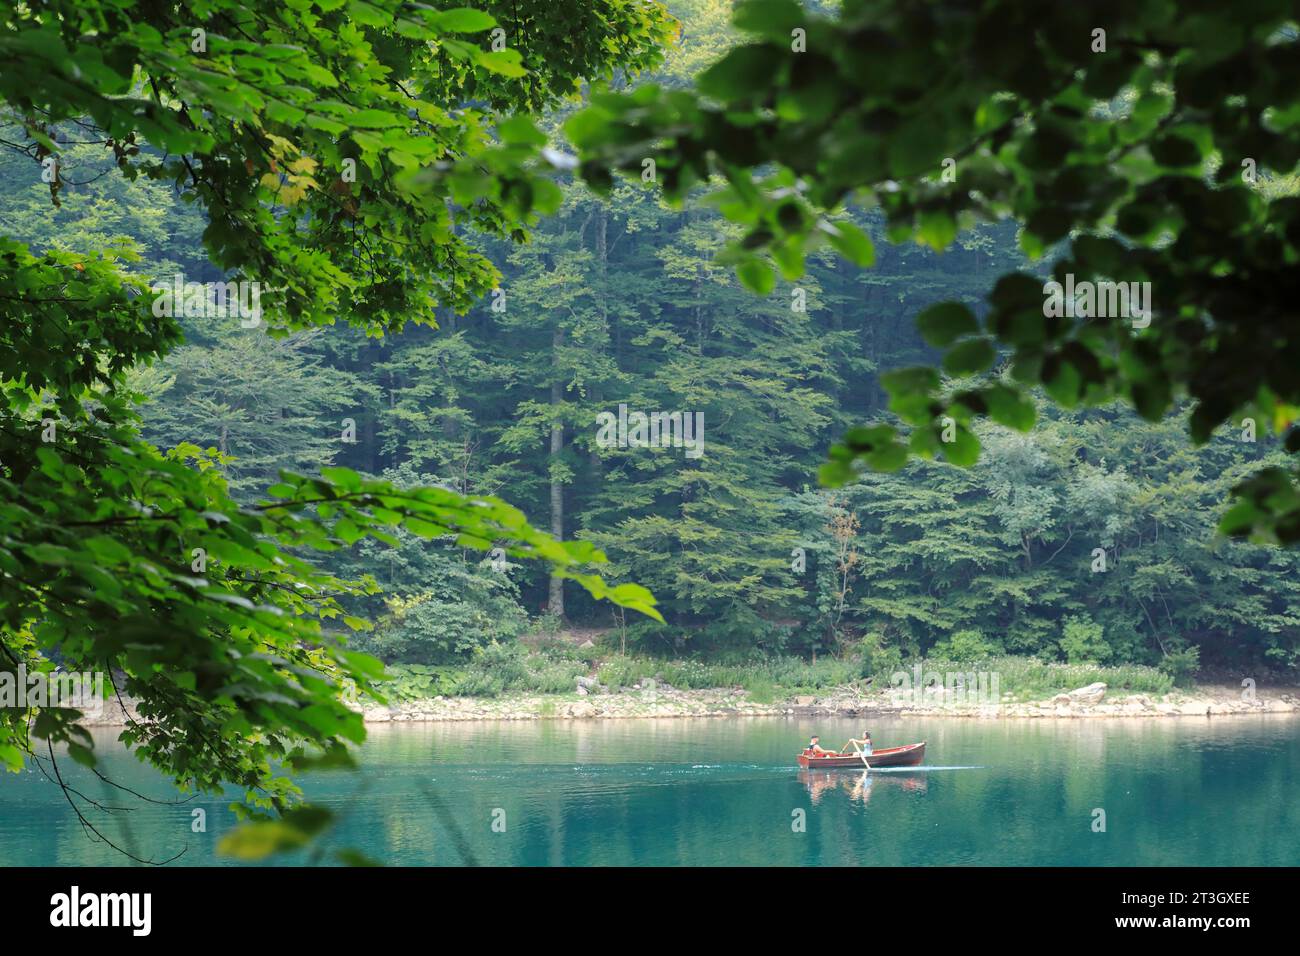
1093	702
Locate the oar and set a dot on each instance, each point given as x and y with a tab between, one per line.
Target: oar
859	752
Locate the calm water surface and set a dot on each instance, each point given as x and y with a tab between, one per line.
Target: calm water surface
726	791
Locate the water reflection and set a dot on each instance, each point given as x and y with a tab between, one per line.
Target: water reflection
860	784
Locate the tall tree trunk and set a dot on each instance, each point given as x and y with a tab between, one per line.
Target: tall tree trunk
447	325
556	601
602	298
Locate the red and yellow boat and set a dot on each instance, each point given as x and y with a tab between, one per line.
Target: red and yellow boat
906	756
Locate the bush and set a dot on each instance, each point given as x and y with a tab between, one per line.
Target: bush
495	669
878	661
966	646
1181	662
1028	678
621	671
557	677
508	668
794	673
692	675
1083	641
558	649
418	681
478	683
764	677
430	628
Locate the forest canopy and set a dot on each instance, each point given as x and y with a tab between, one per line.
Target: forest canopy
1146	134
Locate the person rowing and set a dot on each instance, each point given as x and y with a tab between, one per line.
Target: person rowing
864	744
861	747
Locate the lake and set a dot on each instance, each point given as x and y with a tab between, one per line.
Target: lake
1184	791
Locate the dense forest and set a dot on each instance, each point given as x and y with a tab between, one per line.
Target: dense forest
1092	538
553	346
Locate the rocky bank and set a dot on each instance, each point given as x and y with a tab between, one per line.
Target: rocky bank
592	702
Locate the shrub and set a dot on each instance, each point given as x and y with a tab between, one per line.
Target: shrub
877	660
558	677
965	646
495	669
477	683
419	681
1028	678
508	668
429	628
621	671
1083	641
1181	662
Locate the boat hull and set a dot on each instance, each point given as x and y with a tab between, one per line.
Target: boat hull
908	756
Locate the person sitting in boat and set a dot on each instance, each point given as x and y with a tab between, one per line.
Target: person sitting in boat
815	747
864	743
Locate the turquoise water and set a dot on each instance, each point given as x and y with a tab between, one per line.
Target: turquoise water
726	791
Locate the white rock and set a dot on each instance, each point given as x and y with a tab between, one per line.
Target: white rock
1092	694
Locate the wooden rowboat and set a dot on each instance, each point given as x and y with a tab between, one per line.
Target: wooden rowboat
908	756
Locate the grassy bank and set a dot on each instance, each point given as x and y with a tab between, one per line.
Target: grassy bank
514	669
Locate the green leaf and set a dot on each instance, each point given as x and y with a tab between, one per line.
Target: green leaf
757	276
345	478
507	62
963	450
772	18
368	14
108	549
1062	380
463	20
1009	407
970	357
919	380
521	129
868	438
940	325
375	119
835	474
744	72
890	457
937	229
81	754
852	243
11	757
